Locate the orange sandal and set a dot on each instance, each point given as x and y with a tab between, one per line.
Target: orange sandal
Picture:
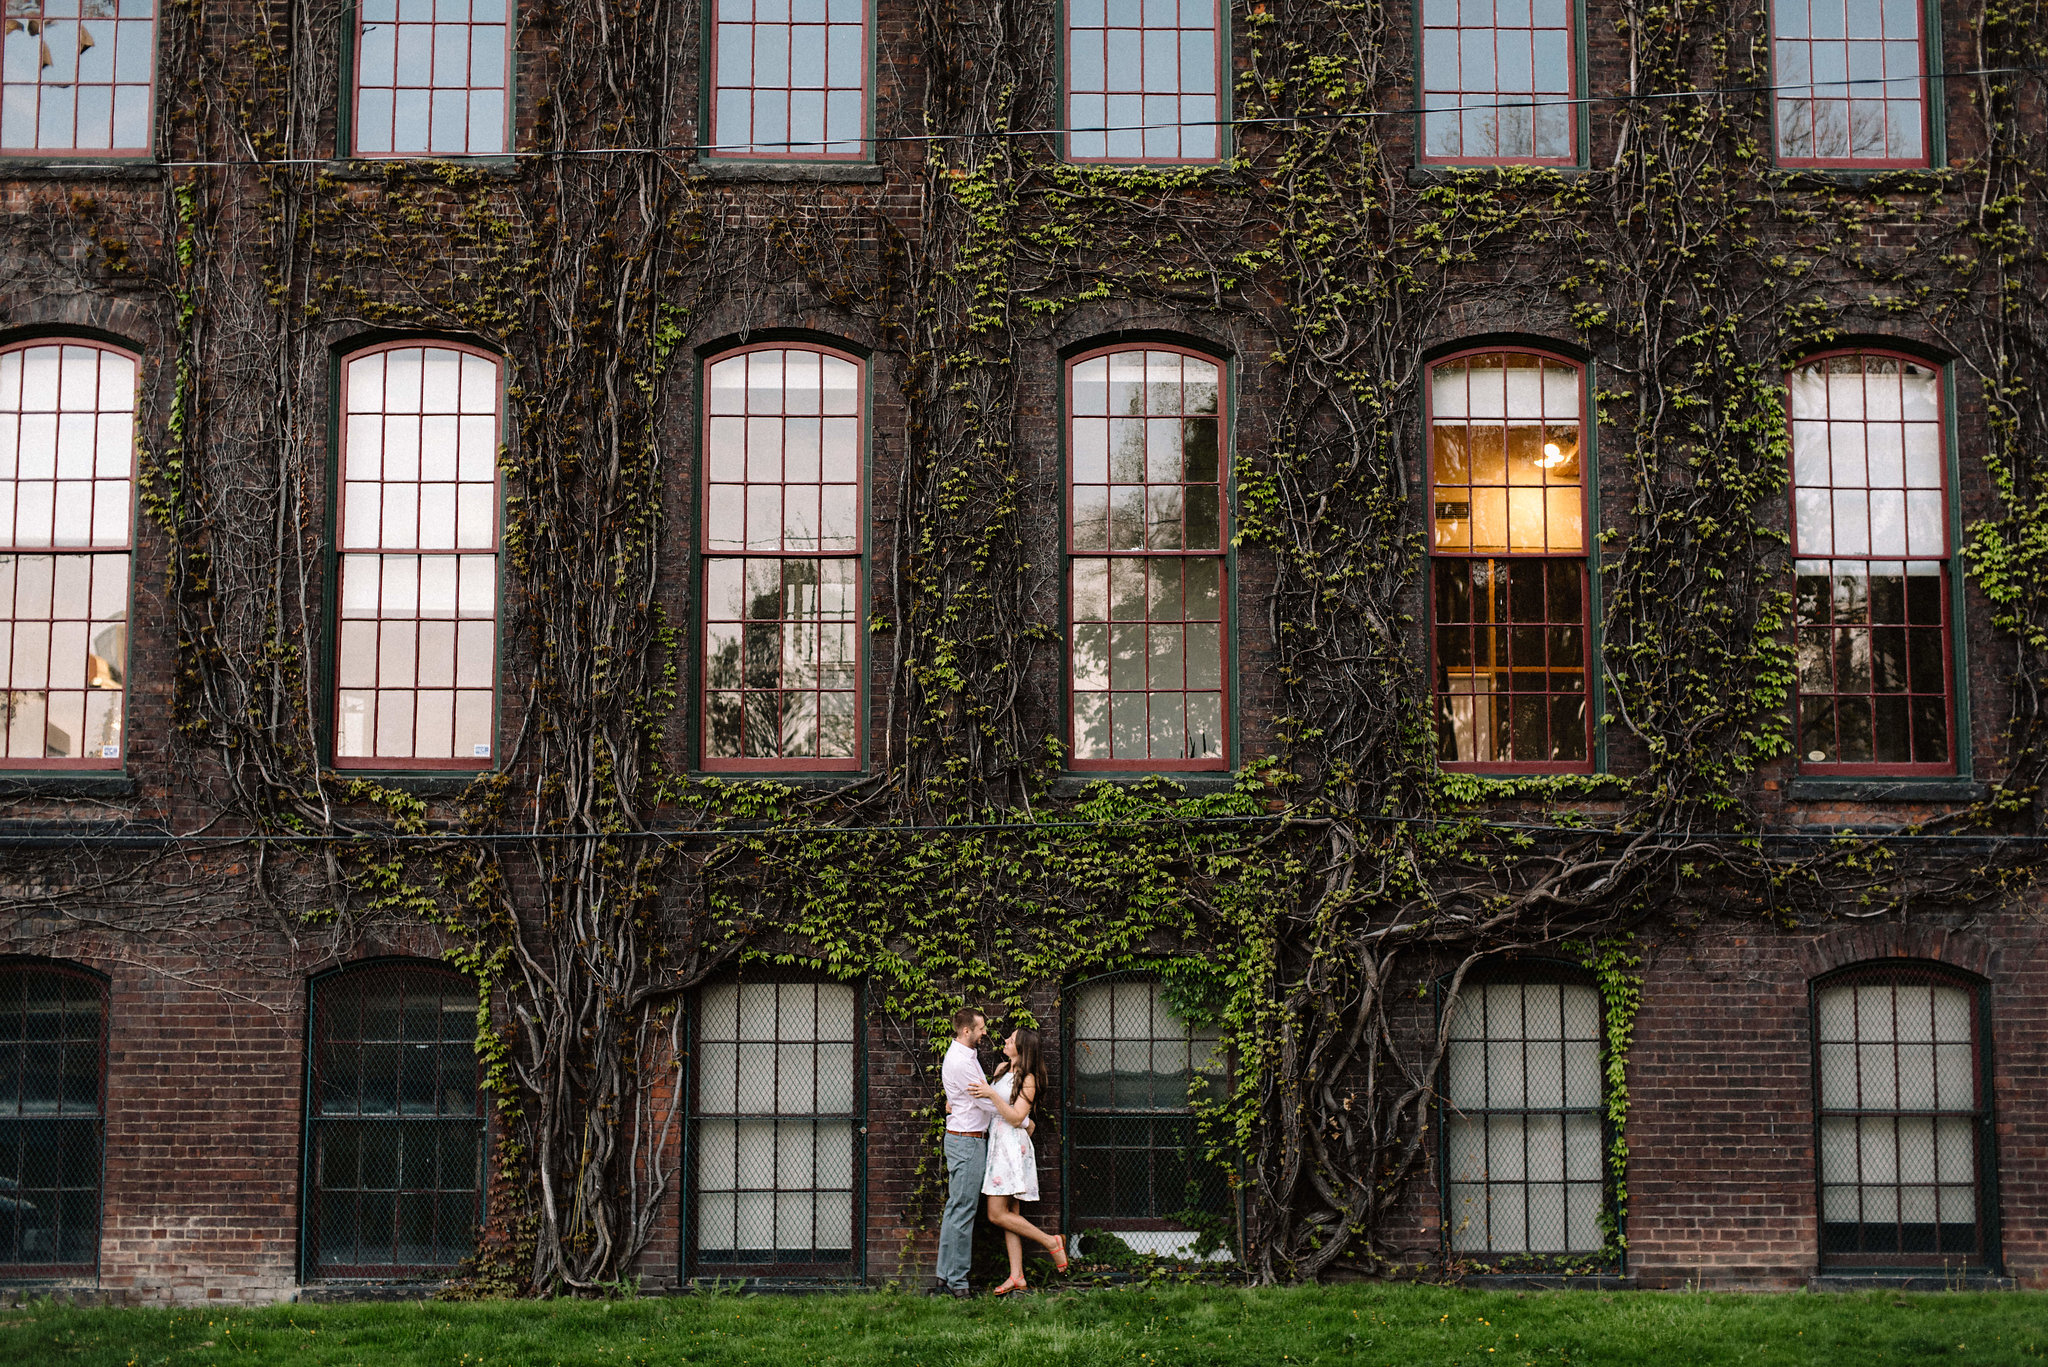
1059	1257
1013	1284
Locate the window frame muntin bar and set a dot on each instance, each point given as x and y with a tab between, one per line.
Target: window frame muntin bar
713	150
309	1267
1589	583
351	107
1951	582
127	548
1524	973
1912	971
700	585
338	554
1225	562
854	1269
31	963
1926	36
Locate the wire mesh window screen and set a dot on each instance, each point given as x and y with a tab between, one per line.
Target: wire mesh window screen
76	76
1136	1162
417	660
397	1122
1901	1119
52	1061
775	1127
67	439
1525	1161
431	77
1870	530
782	639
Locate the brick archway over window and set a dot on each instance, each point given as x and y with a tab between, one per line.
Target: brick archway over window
1865	944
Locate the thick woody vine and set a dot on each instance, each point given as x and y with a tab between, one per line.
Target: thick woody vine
1340	898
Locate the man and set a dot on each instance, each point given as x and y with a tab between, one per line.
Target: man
967	1121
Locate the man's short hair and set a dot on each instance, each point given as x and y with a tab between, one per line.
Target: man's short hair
965	1017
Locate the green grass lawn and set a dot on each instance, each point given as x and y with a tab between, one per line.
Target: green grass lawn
1373	1326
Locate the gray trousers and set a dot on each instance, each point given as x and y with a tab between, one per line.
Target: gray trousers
966	1162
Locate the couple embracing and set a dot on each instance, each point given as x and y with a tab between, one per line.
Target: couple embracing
988	1151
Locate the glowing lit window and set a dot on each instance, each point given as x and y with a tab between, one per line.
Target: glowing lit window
1870	533
1143	80
1147	525
1904	1129
789	78
1498	77
1850	82
431	77
1525	1161
782	532
67	456
75	76
1508	562
416	664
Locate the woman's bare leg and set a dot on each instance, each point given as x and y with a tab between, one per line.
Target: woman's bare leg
1014	1225
1002	1214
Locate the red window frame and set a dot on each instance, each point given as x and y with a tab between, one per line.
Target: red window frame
1094	53
1914	634
379	75
467	425
120	63
770	26
1474	30
1149	497
42	563
72	1187
395	1112
729	621
1900	39
1868	1069
1504	631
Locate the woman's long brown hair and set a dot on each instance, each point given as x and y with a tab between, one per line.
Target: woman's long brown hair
1030	1063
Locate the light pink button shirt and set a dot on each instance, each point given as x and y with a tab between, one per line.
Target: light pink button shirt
970	1114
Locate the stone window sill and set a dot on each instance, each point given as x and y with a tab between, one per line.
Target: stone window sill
78	168
790	172
1885	790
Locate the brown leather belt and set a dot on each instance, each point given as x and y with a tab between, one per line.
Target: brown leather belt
968	1134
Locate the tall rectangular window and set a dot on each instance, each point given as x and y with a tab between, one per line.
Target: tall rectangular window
782	534
789	78
1850	82
1871	546
1147	524
67	457
431	77
1498	77
396	1124
775	1129
77	76
1137	1166
53	1054
417	659
1145	80
1903	1124
1508	563
1525	1165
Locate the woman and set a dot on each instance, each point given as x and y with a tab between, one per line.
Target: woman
1012	1166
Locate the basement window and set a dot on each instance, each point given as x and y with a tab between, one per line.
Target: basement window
53	1049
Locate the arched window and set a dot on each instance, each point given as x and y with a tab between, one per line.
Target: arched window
1146	531
396	1125
53	1052
1136	1165
1870	533
77	77
783	438
431	78
789	79
1146	80
1905	1120
1525	1167
778	1104
1509	589
1850	82
1498	81
67	459
416	663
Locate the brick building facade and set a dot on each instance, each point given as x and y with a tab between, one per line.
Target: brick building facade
188	1078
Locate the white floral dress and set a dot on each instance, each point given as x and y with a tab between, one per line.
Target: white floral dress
1012	1165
